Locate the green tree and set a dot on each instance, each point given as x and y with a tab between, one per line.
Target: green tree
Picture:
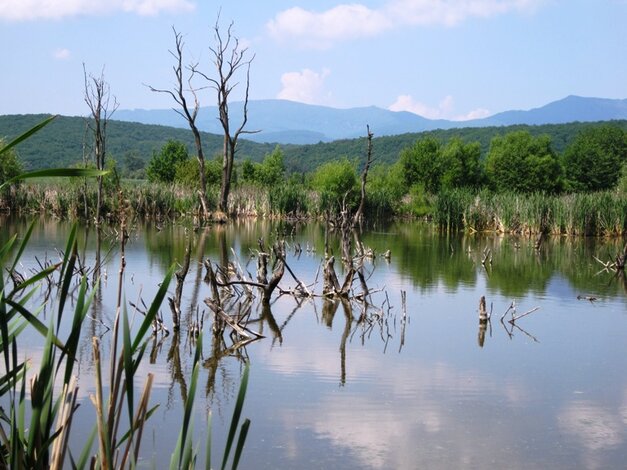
460	164
520	162
187	173
249	171
594	159
10	165
336	182
162	165
272	170
421	164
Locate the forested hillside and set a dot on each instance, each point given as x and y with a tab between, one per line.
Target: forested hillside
62	143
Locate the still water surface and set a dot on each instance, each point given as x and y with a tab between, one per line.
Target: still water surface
420	388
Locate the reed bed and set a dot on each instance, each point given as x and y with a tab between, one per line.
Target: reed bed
578	214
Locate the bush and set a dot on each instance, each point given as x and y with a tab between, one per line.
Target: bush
337	185
162	165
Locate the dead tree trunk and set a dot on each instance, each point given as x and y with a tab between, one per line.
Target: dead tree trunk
364	178
97	97
228	58
187	113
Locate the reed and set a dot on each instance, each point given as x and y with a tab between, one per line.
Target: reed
43	442
577	214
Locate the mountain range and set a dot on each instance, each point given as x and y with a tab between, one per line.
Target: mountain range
289	122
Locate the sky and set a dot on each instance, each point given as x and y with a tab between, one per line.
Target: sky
449	59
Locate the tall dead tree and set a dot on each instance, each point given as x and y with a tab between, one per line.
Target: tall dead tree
229	58
364	179
101	108
183	92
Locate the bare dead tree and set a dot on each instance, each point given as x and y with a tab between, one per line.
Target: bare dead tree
101	107
229	58
364	179
183	92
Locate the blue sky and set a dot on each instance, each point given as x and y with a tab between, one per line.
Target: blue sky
452	59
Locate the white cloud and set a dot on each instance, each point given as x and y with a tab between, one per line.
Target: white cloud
342	21
25	10
305	86
61	54
478	113
349	21
444	109
407	103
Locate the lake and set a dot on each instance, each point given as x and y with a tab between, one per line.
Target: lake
419	384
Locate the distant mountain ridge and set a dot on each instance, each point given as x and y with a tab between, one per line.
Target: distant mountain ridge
289	122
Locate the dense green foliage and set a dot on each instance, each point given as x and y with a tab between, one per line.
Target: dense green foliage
447	179
133	144
162	166
337	185
268	173
10	165
593	161
521	163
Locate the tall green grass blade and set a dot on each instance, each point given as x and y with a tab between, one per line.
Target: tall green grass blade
71	344
7	247
154	309
55	172
240	443
44	273
34	321
67	271
22	247
128	362
208	444
11	377
236	415
86	452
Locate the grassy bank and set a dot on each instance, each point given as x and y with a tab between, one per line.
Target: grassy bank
576	214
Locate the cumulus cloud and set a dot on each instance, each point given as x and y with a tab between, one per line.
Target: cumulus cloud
444	110
61	54
407	103
306	86
25	10
350	21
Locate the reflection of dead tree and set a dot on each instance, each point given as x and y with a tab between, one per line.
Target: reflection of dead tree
512	321
484	321
616	264
348	314
174	364
181	274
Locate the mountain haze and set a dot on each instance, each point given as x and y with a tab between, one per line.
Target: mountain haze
289	122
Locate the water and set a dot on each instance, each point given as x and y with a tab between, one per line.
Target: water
422	389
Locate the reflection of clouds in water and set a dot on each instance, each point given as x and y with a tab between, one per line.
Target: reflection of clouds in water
416	414
594	426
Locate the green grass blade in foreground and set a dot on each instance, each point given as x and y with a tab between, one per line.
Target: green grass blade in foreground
236	415
128	361
55	172
240	443
80	312
208	444
26	134
22	247
154	308
34	321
